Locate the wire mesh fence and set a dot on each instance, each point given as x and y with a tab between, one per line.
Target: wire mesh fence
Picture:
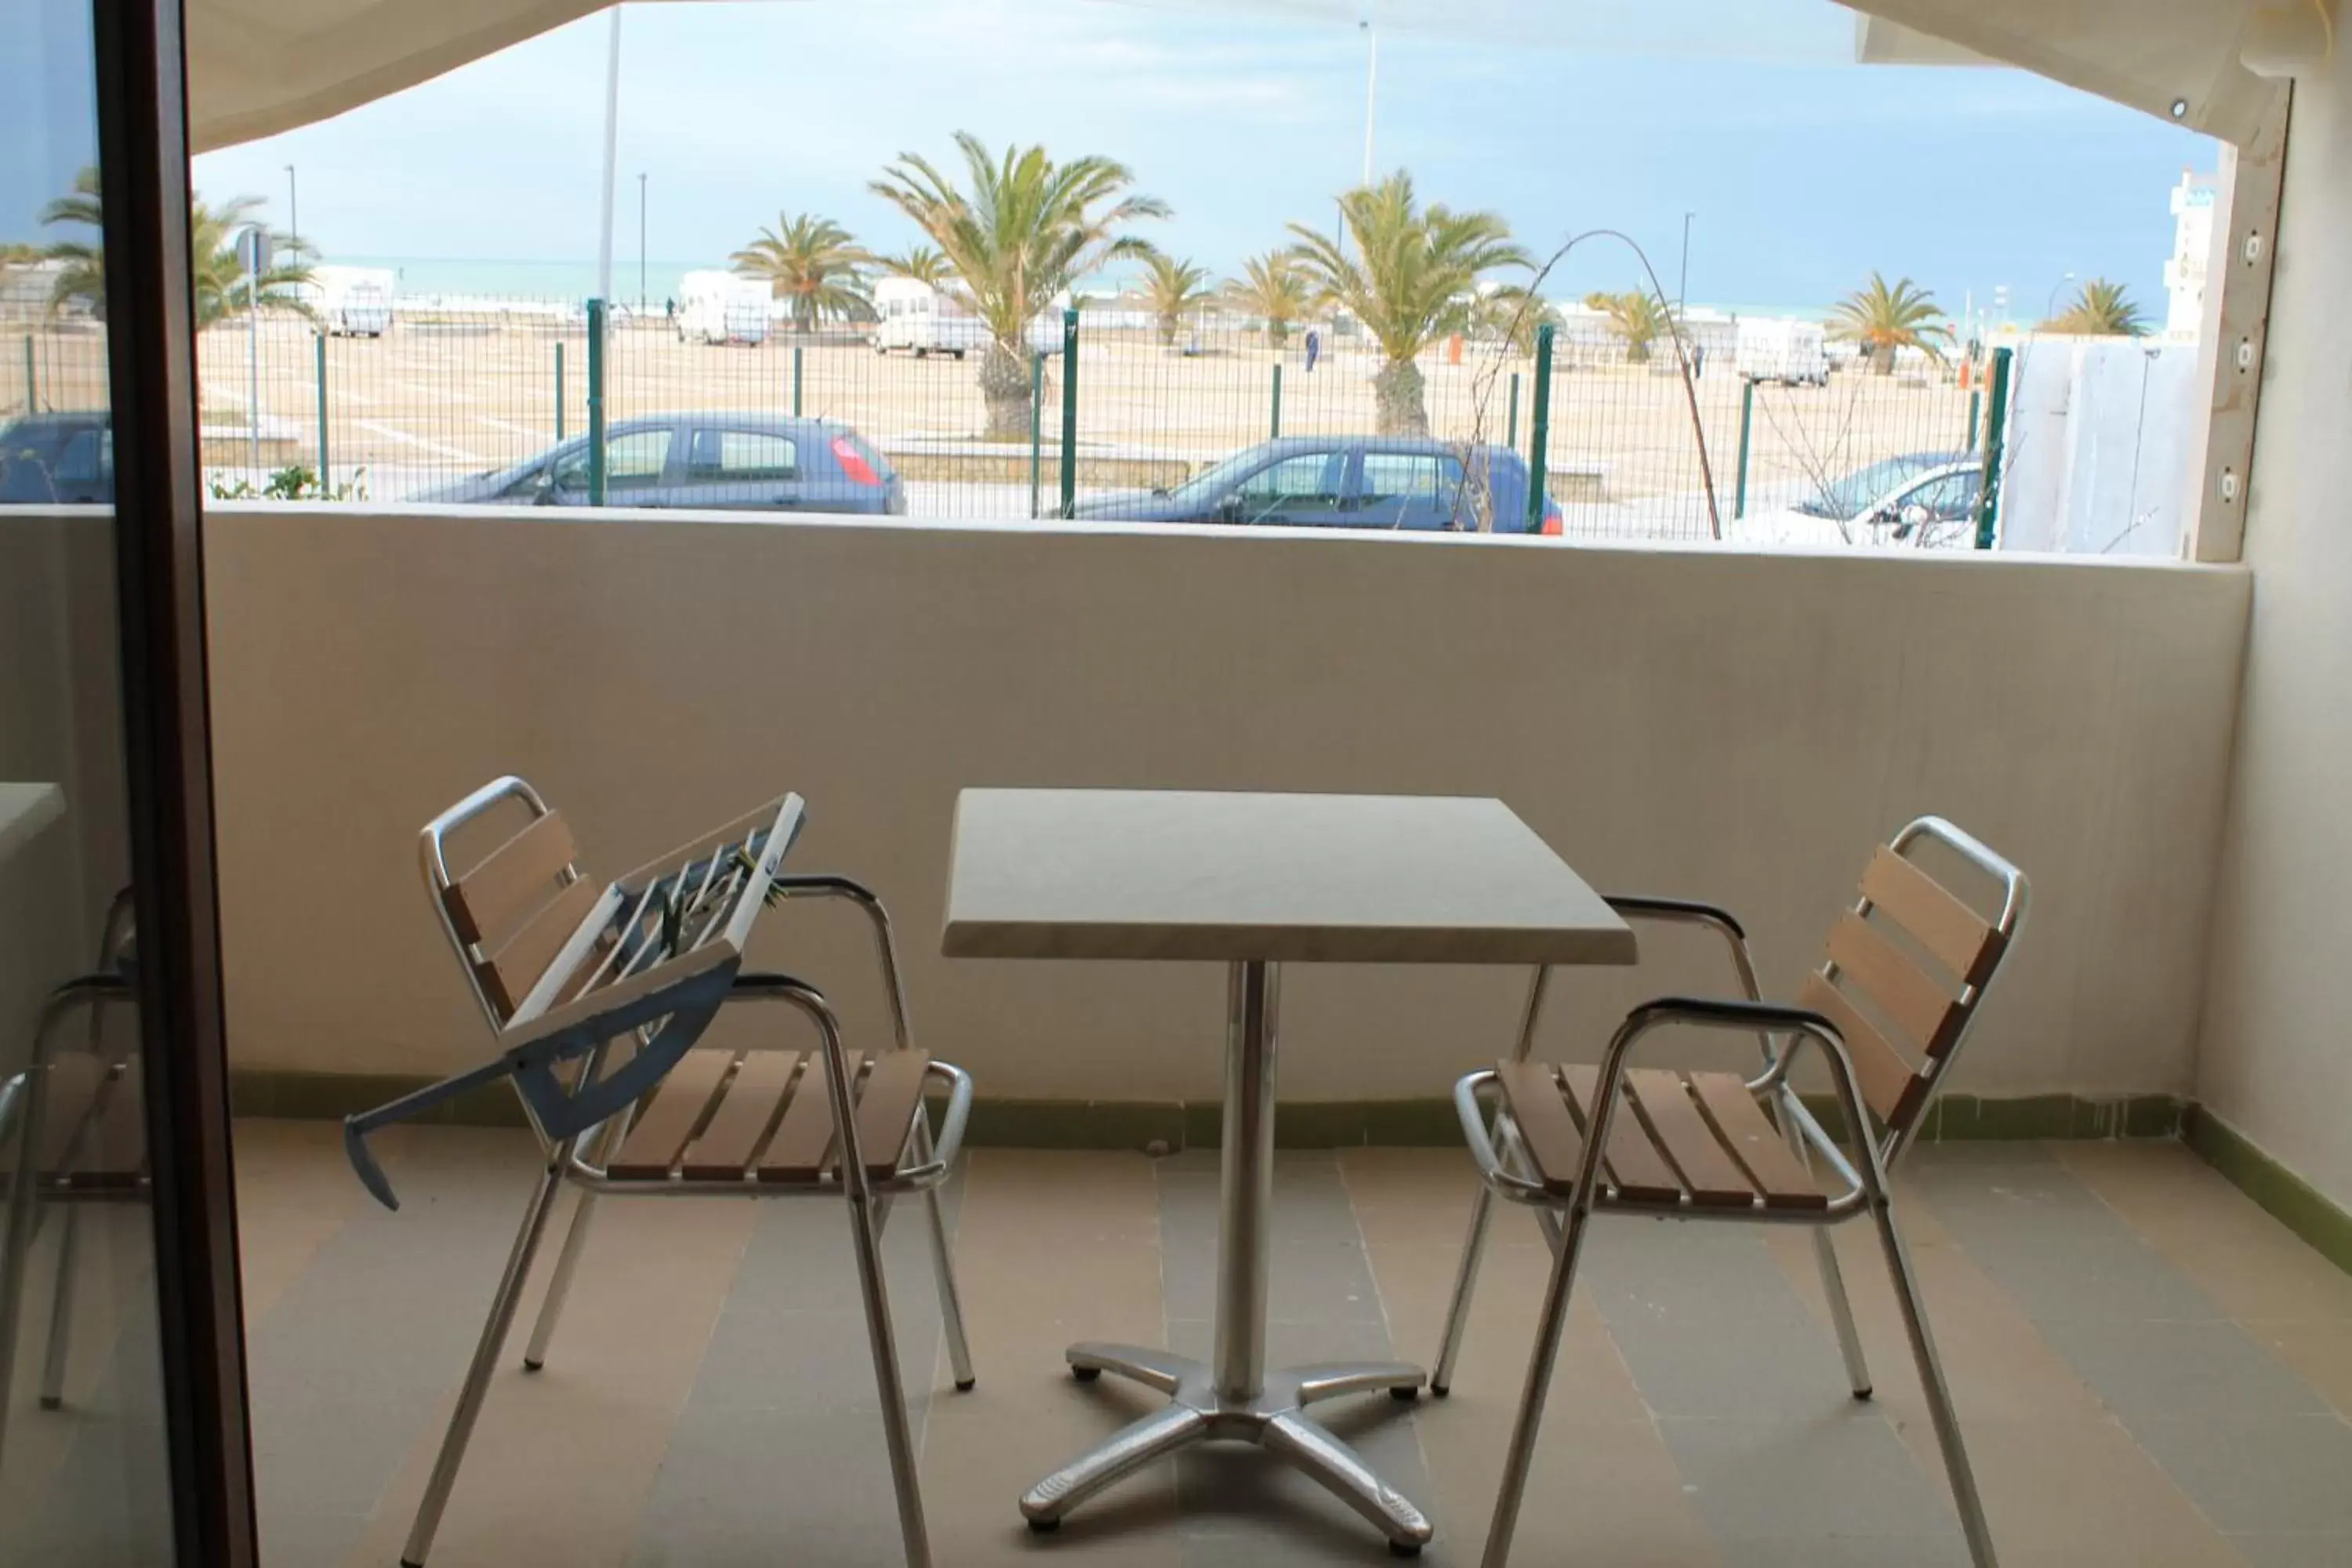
1631	445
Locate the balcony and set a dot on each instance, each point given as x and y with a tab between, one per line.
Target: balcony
2152	1371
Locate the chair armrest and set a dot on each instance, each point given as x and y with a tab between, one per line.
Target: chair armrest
1690	911
1482	1145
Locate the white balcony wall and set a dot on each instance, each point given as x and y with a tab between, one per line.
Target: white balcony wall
1691	721
2276	1062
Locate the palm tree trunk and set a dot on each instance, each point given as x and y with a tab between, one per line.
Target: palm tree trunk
1004	389
1396	393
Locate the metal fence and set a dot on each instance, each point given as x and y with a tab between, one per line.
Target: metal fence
456	388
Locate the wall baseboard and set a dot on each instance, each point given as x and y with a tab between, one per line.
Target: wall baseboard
1173	1125
2285	1196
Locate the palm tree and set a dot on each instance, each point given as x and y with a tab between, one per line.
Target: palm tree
2101	309
1513	314
919	262
1272	289
216	275
1884	318
1172	288
1022	233
1637	316
1412	280
811	261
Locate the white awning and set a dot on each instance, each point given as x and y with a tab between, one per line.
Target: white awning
258	67
2177	59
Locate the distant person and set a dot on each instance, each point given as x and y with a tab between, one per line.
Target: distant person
670	310
1314	349
1699	360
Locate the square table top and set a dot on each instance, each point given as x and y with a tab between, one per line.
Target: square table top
1331	879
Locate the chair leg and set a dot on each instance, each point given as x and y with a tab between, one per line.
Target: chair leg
1466	1281
943	1270
53	1362
486	1359
1857	1368
1939	1396
896	1429
559	1284
1521	1453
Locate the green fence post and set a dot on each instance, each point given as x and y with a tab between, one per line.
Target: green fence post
1976	405
1274	424
595	403
1540	428
559	389
1070	412
1746	426
32	387
796	381
1996	427
1036	423
324	487
1511	420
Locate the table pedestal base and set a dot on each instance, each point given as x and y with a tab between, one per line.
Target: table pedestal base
1275	1420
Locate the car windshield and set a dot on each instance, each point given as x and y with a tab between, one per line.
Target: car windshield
1847	497
1218	477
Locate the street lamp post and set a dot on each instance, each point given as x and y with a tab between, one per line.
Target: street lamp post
1681	288
641	245
293	210
1372	88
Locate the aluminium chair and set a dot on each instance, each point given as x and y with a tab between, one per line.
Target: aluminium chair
1908	960
540	943
72	1131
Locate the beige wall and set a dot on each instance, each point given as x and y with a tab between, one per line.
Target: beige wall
2277	1056
1687	721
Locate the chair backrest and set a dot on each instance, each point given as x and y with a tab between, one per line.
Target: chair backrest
509	915
1906	969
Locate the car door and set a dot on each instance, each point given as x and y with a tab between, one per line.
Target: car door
744	468
84	472
637	468
1950	503
1403	489
1298	489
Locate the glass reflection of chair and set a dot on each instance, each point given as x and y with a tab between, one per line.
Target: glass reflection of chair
72	1131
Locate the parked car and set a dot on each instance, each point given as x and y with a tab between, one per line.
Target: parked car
1923	500
59	457
1347	481
747	462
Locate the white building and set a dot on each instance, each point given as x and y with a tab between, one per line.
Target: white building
2193	245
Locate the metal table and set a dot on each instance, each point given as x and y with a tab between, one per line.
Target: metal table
1255	882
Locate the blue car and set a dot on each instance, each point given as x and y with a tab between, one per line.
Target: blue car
752	462
1414	482
65	458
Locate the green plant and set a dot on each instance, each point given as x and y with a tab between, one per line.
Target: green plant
1273	288
216	275
294	483
1410	281
2099	310
1173	288
1019	231
1512	314
811	261
1637	318
1884	318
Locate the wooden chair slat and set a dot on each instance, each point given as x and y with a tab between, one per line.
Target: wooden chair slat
1636	1166
511	880
886	1113
754	1095
803	1146
1532	1094
1688	1139
1961	940
1889	1086
1784	1183
1912	999
509	975
660	1133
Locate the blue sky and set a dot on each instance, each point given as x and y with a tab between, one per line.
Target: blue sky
1805	171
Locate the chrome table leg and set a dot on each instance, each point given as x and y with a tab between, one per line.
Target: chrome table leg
1234	1398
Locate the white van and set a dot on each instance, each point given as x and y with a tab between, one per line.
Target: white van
912	315
721	308
1784	350
352	301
